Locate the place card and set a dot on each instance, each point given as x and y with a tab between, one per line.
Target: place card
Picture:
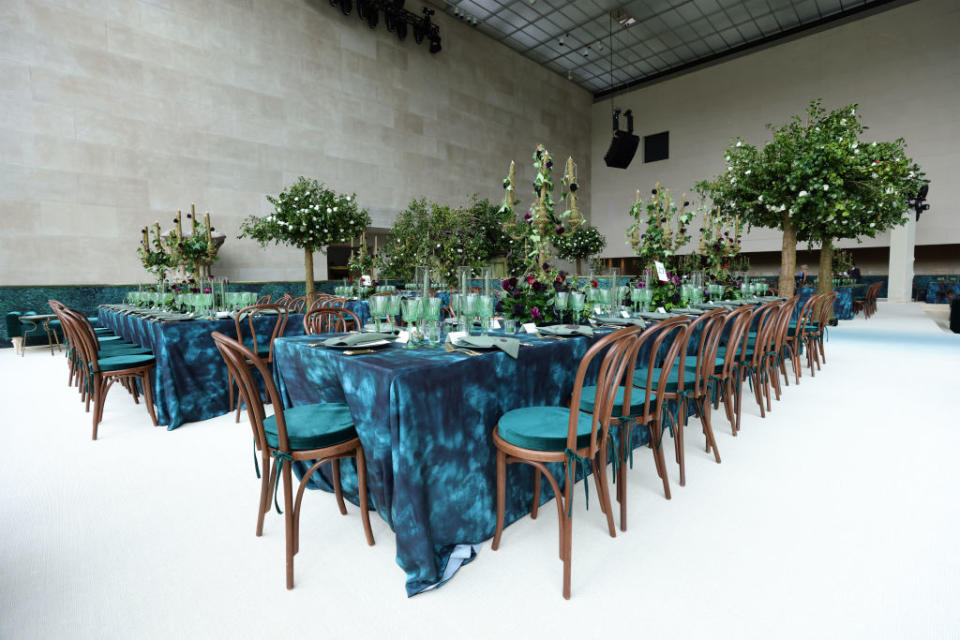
661	271
530	327
625	314
494	324
453	336
403	337
661	310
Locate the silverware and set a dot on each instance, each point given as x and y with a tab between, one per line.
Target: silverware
356	352
470	352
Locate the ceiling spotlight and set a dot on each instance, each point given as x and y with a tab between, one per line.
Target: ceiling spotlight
569	74
599	46
435	44
561	41
586	52
346	6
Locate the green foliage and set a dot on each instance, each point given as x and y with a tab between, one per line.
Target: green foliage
657	239
581	243
842	262
191	251
817	170
443	238
154	259
308	215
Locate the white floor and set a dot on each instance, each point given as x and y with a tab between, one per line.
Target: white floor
837	516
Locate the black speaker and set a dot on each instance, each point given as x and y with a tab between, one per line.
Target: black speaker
622	149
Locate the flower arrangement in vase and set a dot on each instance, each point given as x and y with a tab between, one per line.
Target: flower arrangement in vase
193	253
531	297
155	259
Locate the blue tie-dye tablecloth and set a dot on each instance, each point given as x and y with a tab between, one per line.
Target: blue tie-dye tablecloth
190	383
425	418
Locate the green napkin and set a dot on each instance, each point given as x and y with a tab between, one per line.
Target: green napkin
566	330
510	346
355	339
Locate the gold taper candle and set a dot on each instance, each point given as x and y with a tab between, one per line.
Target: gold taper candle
146	240
375	239
206	221
511	198
179	225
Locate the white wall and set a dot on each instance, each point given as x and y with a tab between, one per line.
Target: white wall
902	66
115	113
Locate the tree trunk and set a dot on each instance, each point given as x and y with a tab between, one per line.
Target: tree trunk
788	258
579	265
308	268
825	272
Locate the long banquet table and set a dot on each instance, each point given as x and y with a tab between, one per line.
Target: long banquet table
425	418
190	383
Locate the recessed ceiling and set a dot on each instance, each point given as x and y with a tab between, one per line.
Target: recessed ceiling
649	38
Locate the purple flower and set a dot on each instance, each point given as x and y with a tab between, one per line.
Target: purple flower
535	313
513	283
560	231
506	285
537	286
549	163
545	266
643	236
189	216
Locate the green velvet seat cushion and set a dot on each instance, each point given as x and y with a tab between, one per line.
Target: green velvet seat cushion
588	398
691	362
123	349
124	361
313	426
102	330
543	428
107	339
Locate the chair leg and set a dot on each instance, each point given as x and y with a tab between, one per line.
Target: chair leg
288	517
708	429
337	488
566	524
659	461
362	488
600	478
148	396
678	440
535	508
97	394
266	481
501	496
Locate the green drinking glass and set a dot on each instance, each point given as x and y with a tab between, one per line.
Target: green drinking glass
411	311
485	307
577	302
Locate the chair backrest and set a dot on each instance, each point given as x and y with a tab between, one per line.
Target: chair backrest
666	339
806	315
782	327
320	299
707	323
83	337
241	363
826	306
738	322
763	322
246	317
295	305
264	300
328	320
616	348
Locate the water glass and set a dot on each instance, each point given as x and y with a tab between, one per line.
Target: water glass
393	306
469	304
577	301
411	308
485	306
562	302
509	326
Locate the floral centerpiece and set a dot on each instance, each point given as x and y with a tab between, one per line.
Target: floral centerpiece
310	216
531	297
719	247
193	253
154	259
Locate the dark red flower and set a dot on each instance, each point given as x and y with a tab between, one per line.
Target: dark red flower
560	231
537	286
530	279
594	284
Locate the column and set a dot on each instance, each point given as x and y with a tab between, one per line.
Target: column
902	241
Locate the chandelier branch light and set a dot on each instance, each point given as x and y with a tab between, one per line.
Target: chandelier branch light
398	20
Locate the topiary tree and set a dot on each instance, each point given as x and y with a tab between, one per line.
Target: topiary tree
580	244
441	237
310	216
815	181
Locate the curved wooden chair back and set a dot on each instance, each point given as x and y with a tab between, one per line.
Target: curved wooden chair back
738	321
616	348
668	336
241	363
711	321
246	317
329	320
296	305
264	300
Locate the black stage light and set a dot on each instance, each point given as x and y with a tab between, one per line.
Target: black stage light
401	30
346	6
435	44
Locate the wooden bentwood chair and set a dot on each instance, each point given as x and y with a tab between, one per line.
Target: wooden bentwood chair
245	324
540	435
329	320
321	433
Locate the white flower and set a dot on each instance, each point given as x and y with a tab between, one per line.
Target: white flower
854	145
295	199
729	168
760	199
747	172
843	121
739	144
826	187
853	111
873	175
329	210
874	144
802	194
